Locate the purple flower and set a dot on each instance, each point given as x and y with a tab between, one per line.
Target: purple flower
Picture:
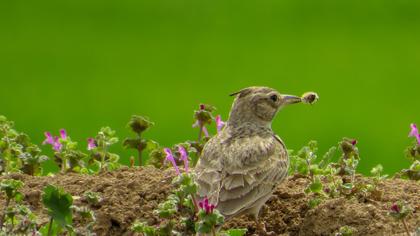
414	133
354	142
49	139
170	157
57	145
91	144
219	123
206	206
184	157
53	141
63	134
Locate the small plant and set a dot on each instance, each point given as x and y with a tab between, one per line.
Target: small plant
32	161
138	125
400	211
157	157
165	229
58	204
66	155
329	179
93	198
413	172
372	187
346	231
17	153
347	164
203	117
10	188
412	153
19	221
87	218
306	163
208	218
377	174
100	157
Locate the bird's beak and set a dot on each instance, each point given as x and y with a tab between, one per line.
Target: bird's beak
291	99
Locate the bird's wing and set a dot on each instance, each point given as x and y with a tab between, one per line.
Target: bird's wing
208	171
237	175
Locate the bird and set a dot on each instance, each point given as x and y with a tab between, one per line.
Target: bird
240	167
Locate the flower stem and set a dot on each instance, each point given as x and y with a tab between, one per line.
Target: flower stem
131	162
105	148
213	232
4	213
64	166
50	227
140	149
200	131
13	226
195	203
140	156
406	227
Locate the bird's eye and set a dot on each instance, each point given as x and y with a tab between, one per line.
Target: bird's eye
274	98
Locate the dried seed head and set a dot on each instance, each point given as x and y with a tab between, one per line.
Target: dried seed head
310	97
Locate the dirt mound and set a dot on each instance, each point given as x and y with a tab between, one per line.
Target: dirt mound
130	194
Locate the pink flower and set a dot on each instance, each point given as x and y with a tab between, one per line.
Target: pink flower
206	206
91	144
63	134
53	141
184	157
219	123
414	133
170	157
354	142
49	139
57	145
395	208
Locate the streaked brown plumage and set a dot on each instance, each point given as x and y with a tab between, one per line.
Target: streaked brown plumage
241	165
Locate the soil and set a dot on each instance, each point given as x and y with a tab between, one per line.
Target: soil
130	194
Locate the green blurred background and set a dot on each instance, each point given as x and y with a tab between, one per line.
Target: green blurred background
84	64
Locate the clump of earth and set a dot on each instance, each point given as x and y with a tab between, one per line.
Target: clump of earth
133	193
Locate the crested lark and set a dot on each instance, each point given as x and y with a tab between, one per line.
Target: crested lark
240	167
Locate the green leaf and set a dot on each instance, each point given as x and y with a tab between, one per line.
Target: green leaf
315	170
10	187
346	231
236	232
133	143
141	227
19	197
58	204
302	167
316	186
377	170
314	202
202	227
348	186
139	124
151	145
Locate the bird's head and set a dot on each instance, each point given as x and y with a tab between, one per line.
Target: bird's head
259	105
